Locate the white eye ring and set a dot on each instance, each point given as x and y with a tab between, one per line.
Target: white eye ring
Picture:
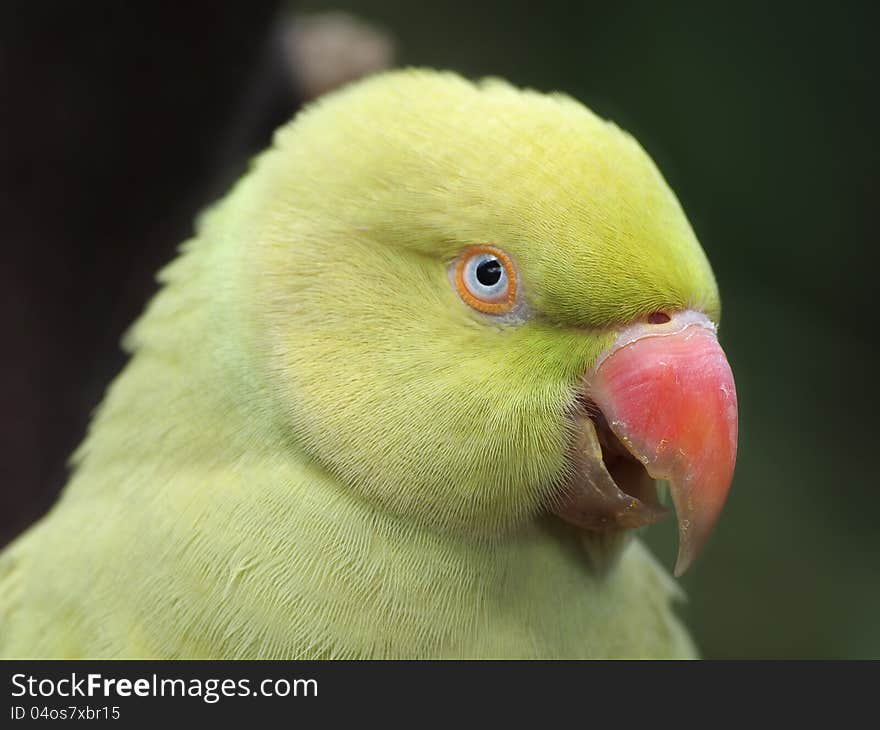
485	278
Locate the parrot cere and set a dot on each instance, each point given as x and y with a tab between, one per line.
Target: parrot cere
405	394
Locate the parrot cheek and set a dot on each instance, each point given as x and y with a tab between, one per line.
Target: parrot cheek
660	404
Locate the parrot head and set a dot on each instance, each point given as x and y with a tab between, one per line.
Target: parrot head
478	305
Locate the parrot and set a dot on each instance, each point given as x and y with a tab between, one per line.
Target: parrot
408	392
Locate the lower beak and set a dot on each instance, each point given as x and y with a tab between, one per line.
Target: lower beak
660	404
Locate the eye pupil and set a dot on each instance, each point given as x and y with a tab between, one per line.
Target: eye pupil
489	272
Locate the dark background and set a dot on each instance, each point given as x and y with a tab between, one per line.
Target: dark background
118	122
116	126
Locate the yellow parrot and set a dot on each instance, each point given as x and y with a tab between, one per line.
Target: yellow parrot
404	395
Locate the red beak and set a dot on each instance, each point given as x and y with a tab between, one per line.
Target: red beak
667	393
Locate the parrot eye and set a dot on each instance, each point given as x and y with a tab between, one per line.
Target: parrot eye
485	278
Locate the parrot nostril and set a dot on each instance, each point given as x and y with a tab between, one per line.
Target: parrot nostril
658	318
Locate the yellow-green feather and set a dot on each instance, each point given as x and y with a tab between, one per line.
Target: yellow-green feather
318	450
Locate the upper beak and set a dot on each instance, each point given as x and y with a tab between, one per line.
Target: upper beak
666	393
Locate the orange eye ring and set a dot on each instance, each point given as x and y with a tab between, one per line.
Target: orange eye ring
496	292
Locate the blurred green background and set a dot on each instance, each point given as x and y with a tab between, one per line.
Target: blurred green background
763	118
